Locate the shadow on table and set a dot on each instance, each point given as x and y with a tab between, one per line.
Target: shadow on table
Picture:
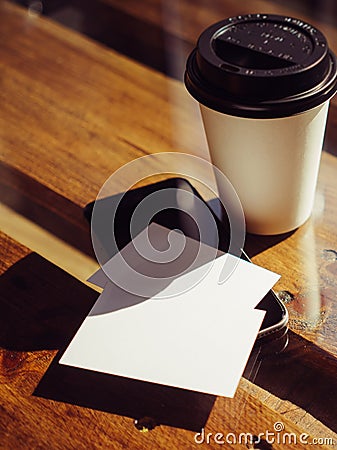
64	219
45	207
41	308
305	375
256	244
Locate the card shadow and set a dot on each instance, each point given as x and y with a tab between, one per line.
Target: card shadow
41	308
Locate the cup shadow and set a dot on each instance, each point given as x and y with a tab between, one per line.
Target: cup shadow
256	244
41	308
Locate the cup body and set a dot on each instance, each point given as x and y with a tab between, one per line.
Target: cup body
263	83
272	164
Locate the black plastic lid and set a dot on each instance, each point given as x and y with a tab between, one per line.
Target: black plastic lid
261	66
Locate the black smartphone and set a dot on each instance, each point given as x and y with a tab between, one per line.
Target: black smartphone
272	337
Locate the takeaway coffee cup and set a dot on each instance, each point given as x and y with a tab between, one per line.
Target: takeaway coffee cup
264	83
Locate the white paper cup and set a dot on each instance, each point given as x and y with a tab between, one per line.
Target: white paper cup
272	163
264	83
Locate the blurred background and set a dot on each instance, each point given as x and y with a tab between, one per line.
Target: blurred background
161	33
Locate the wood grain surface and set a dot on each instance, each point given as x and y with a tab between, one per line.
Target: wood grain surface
46	405
72	113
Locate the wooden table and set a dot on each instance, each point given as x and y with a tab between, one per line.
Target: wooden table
73	112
